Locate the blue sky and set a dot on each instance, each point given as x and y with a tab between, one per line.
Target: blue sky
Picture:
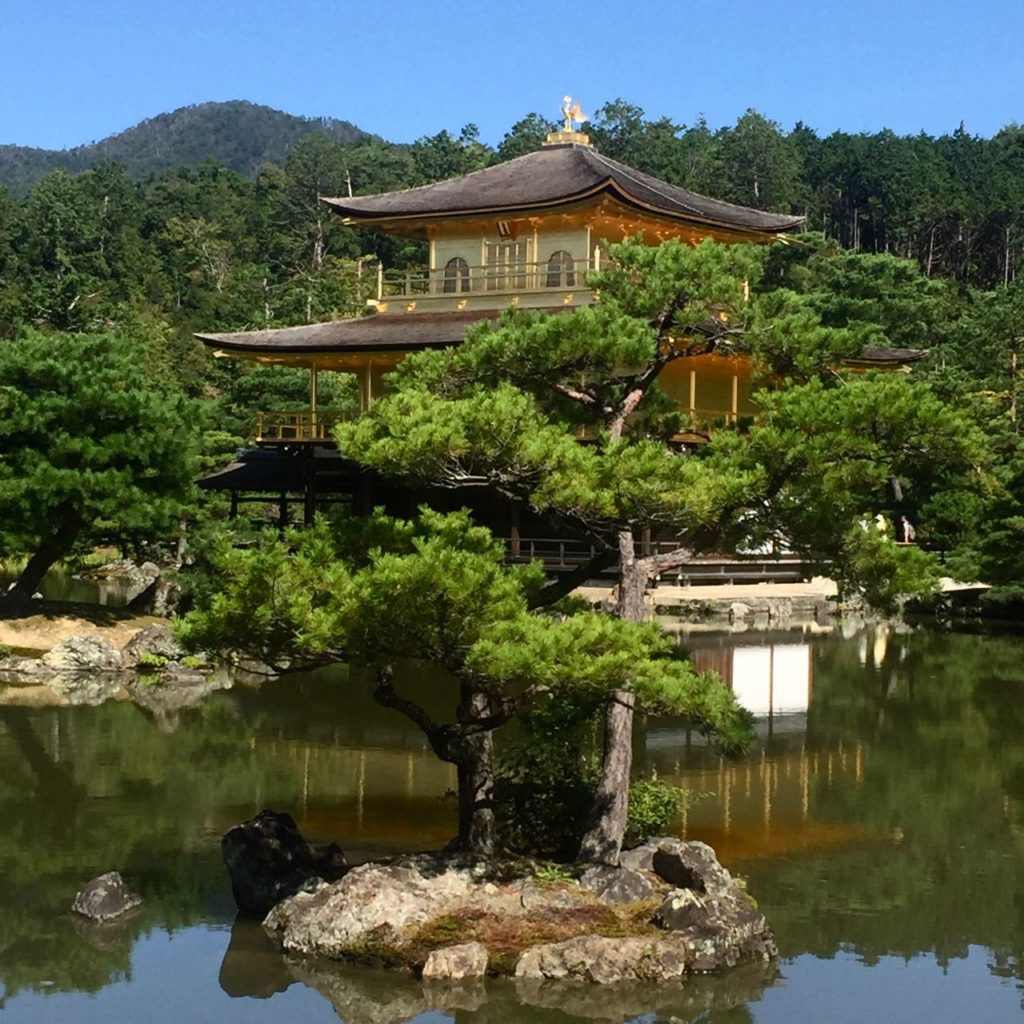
74	71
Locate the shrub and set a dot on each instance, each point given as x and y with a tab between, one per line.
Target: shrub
545	784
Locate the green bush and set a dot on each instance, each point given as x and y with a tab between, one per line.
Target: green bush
545	784
149	660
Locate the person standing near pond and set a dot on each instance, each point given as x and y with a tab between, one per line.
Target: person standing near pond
907	530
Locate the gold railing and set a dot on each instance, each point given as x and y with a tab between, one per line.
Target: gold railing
304	425
474	280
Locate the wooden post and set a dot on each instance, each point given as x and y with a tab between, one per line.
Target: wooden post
309	507
312	403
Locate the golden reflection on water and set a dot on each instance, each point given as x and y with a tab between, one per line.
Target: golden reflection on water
762	808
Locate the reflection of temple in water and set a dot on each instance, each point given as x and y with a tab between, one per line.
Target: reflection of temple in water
768	679
762	804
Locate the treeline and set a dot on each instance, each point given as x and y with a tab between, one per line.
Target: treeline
953	203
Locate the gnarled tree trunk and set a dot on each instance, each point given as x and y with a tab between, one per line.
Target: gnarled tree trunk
468	743
606	825
475	769
53	548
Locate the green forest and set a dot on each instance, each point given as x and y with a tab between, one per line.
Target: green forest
911	242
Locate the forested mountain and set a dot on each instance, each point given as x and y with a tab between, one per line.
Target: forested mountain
237	134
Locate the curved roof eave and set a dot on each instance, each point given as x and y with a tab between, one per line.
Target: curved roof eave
609	185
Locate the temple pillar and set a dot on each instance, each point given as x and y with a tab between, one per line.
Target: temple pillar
313	432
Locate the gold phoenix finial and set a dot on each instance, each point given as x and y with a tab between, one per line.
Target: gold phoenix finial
572	112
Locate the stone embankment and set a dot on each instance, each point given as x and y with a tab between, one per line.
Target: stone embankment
755	605
670	909
149	668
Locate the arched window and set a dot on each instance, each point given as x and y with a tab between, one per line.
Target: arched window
561	270
456	275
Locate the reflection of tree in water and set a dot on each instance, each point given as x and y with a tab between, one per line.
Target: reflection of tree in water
940	720
88	790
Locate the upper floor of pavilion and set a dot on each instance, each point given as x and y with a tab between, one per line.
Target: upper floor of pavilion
525	232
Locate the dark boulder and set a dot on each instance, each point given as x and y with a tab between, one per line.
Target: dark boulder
105	898
268	860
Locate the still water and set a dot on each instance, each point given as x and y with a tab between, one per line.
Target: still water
879	821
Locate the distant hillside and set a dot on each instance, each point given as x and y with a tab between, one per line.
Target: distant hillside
239	134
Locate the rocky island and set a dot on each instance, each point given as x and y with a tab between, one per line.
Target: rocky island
669	909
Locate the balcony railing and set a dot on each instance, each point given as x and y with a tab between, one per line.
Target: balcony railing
468	280
303	425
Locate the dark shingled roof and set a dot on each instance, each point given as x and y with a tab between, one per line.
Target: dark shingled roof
379	332
877	356
402	332
556	176
258	469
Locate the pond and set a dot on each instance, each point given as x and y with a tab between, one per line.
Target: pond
879	821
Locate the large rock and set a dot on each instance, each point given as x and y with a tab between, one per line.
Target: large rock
717	931
268	860
367	910
387	912
641	858
19	670
605	961
616	885
84	654
691	865
156	641
161	596
105	898
456	963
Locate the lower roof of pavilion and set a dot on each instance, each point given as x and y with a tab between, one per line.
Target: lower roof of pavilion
345	344
349	345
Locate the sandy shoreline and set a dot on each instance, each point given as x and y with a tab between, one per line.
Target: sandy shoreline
45	630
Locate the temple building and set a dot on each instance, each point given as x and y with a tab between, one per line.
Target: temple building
522	233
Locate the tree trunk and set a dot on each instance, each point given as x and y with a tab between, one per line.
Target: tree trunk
52	549
632	580
606	825
475	768
468	743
